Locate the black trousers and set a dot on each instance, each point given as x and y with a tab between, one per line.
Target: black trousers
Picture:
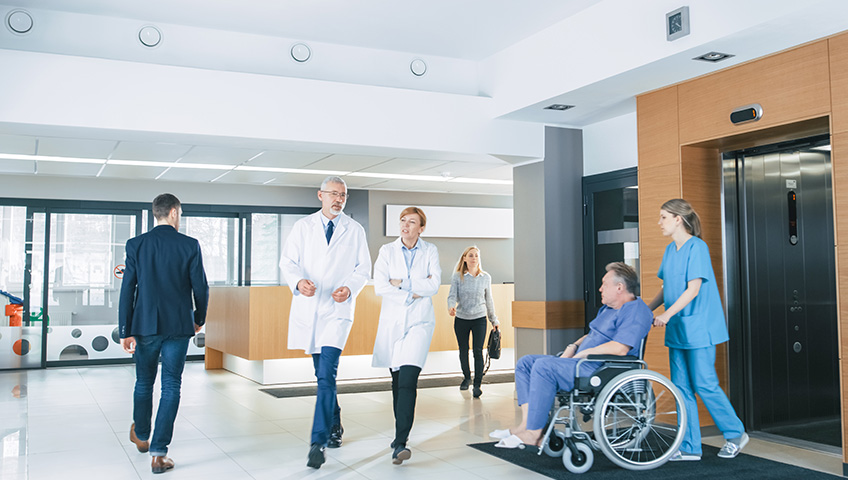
404	394
477	329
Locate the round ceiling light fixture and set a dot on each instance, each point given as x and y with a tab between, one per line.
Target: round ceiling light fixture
149	36
418	67
19	21
300	52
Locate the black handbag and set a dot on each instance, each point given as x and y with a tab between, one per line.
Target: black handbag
494	347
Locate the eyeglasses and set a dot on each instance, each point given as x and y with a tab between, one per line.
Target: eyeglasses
335	194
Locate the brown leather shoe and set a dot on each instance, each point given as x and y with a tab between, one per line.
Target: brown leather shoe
142	446
161	464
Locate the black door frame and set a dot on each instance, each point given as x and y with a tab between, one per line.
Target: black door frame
624	178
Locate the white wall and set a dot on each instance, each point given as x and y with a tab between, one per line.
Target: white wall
610	145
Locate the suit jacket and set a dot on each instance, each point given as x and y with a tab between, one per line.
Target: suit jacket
164	272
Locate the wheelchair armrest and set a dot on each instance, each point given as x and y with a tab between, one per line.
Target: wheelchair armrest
613	358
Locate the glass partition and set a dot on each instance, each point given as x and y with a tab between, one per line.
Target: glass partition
269	232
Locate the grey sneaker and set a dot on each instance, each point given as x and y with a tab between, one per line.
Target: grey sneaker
679	456
732	448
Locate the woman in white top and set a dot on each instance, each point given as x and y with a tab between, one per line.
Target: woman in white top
470	301
406	275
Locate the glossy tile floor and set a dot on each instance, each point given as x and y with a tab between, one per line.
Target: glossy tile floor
73	423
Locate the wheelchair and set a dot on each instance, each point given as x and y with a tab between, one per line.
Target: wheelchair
637	417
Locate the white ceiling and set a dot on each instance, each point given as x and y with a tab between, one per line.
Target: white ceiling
463	37
466	29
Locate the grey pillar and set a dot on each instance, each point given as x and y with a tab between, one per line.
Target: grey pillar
548	220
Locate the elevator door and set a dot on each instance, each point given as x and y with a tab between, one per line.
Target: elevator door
788	279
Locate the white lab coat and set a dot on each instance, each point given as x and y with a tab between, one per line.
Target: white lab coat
319	320
405	331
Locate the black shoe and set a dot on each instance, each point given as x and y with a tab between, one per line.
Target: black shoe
477	392
336	436
400	454
316	456
464	384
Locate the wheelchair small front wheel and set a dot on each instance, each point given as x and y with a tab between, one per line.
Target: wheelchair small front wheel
581	462
555	444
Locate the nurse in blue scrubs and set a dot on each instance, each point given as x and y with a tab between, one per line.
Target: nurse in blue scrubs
695	324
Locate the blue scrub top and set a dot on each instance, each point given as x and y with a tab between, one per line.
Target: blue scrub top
628	325
701	323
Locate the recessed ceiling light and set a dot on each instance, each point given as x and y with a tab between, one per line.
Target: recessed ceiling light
19	21
418	67
149	36
559	106
300	52
713	57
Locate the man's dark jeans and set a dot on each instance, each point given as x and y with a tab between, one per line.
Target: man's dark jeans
147	352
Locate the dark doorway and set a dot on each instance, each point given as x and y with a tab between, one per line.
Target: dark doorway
610	229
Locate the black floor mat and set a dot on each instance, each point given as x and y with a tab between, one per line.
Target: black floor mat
743	467
384	385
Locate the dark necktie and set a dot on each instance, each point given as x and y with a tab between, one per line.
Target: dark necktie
329	232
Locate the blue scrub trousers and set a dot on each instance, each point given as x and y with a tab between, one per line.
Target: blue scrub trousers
693	371
537	380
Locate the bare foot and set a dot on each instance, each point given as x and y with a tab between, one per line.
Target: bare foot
529	437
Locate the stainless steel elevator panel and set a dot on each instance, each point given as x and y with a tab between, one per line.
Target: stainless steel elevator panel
785	294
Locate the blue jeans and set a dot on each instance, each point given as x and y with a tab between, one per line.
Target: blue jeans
147	352
327	411
693	371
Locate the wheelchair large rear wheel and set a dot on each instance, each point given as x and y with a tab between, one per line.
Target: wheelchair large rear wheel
640	419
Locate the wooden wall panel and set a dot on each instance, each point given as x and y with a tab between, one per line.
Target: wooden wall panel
838	50
656	115
542	315
792	85
268	325
252	322
839	163
701	186
656	186
227	326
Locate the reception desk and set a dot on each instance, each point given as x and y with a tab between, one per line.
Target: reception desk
247	333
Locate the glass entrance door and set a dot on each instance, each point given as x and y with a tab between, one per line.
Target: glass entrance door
84	285
20	338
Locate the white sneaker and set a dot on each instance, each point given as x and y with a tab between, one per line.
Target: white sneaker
679	456
500	434
731	449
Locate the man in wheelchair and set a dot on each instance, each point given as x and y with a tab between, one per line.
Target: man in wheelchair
619	328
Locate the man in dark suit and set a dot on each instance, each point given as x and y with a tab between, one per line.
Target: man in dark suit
163	274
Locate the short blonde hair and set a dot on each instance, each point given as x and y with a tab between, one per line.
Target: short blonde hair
408	210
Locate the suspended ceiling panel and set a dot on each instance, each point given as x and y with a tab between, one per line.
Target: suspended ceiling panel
72	147
17	166
129	171
219	155
17	144
190	175
283	159
157	152
405	166
347	163
68	169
